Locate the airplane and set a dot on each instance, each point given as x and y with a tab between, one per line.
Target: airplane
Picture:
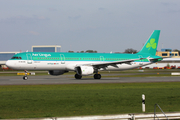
58	63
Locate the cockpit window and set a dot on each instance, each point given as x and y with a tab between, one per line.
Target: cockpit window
15	57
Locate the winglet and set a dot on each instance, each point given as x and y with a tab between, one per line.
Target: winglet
151	45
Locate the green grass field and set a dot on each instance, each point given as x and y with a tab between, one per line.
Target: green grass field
34	101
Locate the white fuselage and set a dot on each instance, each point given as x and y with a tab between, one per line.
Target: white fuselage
66	65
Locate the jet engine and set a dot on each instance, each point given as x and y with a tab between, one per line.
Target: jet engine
84	70
57	72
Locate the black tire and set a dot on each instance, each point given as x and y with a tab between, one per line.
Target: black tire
97	76
25	78
78	76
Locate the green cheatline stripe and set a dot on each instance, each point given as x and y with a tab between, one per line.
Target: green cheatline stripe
83	59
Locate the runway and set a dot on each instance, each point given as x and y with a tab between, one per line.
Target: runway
66	79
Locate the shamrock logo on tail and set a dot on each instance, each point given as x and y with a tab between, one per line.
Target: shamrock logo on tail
152	44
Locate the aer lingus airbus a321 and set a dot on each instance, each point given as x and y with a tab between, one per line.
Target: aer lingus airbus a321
85	64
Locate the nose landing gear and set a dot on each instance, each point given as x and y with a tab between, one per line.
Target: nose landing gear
25	77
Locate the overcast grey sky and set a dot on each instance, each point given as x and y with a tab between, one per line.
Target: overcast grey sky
102	25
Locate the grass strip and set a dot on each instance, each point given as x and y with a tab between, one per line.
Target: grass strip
35	101
146	72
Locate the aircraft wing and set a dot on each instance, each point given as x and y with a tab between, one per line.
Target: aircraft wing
105	64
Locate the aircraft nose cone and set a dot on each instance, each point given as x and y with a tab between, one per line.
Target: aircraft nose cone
9	64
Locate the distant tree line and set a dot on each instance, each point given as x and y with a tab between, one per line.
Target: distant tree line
129	50
176	50
87	51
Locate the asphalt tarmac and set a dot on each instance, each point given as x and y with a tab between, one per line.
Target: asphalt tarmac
67	79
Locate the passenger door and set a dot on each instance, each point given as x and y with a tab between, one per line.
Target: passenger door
62	58
29	58
102	58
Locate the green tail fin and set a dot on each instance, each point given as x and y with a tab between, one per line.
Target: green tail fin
151	45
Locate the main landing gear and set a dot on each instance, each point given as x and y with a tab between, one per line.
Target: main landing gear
96	76
78	76
25	77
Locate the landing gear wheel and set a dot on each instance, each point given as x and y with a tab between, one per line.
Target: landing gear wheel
25	77
78	76
97	76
